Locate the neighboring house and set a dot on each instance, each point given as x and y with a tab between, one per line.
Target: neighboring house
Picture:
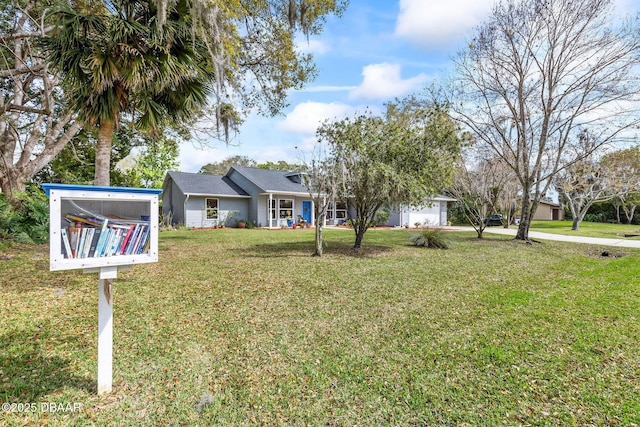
268	198
549	211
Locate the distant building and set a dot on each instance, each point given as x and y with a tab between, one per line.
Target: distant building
549	211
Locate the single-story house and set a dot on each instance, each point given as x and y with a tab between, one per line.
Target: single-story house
549	211
269	198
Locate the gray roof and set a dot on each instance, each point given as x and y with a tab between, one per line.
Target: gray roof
271	181
209	185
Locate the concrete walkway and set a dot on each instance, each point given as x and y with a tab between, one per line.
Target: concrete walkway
623	243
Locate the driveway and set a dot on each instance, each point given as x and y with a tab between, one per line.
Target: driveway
623	243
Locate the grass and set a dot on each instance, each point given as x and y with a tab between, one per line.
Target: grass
244	327
587	229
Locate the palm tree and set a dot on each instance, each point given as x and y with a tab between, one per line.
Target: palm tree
117	63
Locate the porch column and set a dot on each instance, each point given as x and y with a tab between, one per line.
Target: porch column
269	211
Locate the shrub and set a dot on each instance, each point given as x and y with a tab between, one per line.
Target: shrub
26	220
9	218
381	217
433	238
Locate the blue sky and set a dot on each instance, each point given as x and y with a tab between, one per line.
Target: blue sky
377	51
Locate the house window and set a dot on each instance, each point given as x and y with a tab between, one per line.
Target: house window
271	206
212	208
285	208
341	210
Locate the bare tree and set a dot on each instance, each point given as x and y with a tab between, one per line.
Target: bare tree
536	74
507	203
322	179
625	165
479	186
581	185
35	125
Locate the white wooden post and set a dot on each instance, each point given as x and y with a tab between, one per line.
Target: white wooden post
105	329
269	211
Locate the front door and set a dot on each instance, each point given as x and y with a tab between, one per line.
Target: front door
306	211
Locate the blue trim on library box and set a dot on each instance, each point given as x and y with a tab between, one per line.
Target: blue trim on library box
73	187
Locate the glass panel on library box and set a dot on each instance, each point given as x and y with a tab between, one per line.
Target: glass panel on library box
95	229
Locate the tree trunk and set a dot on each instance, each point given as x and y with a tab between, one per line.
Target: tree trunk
525	217
318	248
103	153
576	223
359	236
10	184
628	213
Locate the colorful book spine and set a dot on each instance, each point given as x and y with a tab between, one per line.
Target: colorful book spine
88	237
73	239
126	239
66	244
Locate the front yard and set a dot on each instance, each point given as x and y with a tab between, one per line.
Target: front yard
587	229
243	327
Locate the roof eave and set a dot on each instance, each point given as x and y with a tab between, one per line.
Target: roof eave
286	193
237	196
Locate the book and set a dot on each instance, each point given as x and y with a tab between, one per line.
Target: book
144	242
88	240
94	242
117	233
136	245
82	220
73	239
82	238
102	239
66	244
104	249
126	240
132	240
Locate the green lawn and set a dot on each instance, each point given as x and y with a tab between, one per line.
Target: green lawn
587	229
243	327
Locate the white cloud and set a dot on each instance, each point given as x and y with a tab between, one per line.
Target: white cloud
383	81
313	46
439	24
306	117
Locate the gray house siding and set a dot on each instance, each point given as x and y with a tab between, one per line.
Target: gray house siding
173	203
394	218
239	208
252	190
197	217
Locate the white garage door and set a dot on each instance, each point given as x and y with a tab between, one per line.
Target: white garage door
427	216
